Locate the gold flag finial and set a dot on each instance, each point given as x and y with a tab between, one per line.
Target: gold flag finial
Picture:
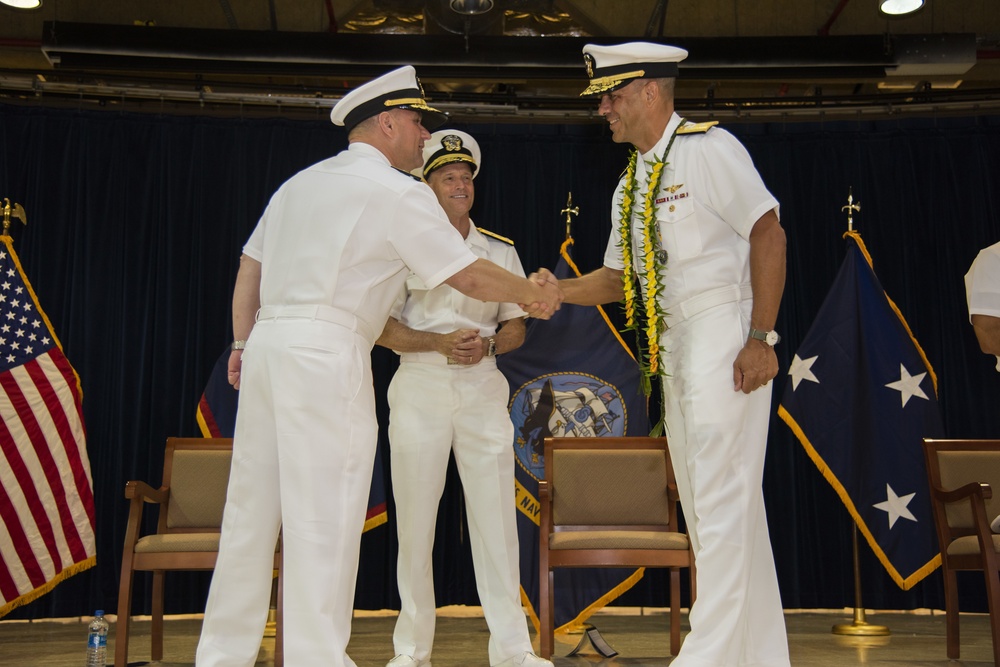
851	208
570	211
16	211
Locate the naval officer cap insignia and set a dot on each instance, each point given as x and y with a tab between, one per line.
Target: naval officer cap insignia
398	89
448	146
611	67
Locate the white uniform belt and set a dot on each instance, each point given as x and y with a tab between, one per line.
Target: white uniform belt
440	360
710	299
316	312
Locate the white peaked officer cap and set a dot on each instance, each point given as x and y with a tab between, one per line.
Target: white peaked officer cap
611	67
398	89
448	147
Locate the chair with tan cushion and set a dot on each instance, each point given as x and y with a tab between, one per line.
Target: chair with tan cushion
961	474
609	502
191	500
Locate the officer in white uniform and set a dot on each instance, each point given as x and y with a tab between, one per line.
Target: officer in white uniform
982	293
720	260
321	271
448	396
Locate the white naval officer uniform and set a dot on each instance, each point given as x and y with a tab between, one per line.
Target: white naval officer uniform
437	408
334	246
710	197
982	284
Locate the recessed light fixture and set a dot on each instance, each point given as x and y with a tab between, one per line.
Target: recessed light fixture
469	7
899	7
22	4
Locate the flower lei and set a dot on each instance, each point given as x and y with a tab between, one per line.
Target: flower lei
652	265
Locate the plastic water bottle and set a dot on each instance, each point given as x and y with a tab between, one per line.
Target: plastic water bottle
97	640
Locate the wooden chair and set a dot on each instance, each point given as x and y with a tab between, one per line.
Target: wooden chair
961	474
191	500
609	502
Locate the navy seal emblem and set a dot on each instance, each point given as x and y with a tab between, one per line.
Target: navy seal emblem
563	405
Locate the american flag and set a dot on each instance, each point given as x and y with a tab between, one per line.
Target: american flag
46	491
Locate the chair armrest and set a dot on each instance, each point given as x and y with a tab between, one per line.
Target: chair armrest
970	490
142	491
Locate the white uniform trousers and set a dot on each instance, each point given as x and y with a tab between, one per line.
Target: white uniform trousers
436	409
717	439
303	454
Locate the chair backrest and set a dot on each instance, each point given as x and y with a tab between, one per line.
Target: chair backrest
955	463
610	482
196	470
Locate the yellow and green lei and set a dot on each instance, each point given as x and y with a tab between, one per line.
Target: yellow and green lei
651	267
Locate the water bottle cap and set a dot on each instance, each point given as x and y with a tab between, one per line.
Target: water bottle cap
99	612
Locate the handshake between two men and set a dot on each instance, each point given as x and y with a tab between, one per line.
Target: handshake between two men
551	295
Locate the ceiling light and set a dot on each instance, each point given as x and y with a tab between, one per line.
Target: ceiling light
466	7
899	7
22	4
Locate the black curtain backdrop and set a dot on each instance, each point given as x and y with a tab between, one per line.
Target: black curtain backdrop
136	224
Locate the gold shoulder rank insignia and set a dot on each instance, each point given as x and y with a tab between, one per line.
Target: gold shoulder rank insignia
486	232
697	128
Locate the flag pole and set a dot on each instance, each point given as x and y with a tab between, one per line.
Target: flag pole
859	627
16	211
569	212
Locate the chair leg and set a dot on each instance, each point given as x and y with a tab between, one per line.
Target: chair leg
156	650
124	613
993	596
279	647
952	642
546	619
675	610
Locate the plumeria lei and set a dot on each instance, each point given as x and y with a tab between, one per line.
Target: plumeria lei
651	264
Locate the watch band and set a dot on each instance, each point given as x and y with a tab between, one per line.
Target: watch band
491	350
770	338
238	345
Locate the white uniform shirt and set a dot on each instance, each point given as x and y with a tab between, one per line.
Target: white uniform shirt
982	285
342	233
442	309
710	197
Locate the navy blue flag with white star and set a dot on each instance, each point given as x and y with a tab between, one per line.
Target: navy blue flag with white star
572	377
860	396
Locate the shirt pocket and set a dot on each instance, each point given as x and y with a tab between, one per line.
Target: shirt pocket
679	230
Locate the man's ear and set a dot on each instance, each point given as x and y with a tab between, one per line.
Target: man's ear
385	122
650	91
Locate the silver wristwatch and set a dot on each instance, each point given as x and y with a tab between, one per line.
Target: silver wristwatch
770	337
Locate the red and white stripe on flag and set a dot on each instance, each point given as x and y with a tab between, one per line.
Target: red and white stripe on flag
46	490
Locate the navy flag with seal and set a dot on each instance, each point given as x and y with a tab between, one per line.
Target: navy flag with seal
572	377
860	396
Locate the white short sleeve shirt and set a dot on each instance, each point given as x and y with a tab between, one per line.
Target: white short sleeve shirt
345	233
710	195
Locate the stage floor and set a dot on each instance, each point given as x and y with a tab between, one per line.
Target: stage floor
640	637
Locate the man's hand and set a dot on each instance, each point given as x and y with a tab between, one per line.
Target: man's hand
552	299
755	366
235	366
463	347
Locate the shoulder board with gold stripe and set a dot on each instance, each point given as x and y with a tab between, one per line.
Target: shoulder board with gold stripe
493	235
697	128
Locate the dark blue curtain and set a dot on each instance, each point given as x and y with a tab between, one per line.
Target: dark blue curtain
136	223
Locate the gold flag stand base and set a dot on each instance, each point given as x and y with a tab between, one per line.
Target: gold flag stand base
860	627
